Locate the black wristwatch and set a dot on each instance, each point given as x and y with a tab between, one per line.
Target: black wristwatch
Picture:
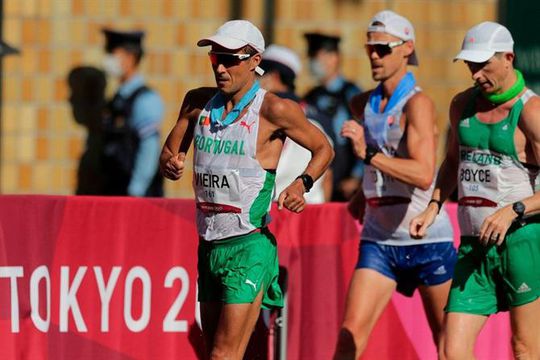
307	180
371	151
519	209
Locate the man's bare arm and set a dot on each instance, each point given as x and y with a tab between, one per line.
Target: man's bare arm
530	125
419	169
179	139
447	174
287	116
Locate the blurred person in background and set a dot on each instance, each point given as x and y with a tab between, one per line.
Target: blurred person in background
87	99
493	158
281	66
132	120
238	130
396	137
331	99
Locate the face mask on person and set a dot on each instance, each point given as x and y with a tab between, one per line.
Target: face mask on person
317	69
112	66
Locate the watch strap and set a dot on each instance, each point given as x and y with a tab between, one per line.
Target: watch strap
307	180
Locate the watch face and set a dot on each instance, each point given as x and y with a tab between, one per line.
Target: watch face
519	208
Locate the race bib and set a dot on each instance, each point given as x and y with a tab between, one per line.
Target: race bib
217	190
478	178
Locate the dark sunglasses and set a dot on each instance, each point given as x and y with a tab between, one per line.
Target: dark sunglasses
226	59
382	49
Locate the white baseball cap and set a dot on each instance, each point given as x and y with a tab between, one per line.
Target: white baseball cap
484	40
284	56
236	34
389	22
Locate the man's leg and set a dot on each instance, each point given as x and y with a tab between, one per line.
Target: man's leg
460	333
434	299
234	328
525	330
210	313
368	295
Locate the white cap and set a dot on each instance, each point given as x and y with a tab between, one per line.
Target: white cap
284	56
483	40
389	22
236	34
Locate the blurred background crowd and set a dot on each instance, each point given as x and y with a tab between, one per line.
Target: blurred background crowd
62	44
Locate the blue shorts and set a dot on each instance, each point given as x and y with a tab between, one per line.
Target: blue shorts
411	265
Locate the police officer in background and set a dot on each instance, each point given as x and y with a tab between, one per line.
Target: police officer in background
131	122
331	98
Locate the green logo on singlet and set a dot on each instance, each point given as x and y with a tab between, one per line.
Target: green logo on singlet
211	146
480	158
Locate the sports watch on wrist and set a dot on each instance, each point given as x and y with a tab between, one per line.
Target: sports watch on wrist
519	209
307	180
371	151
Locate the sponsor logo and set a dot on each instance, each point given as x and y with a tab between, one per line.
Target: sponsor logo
465	123
476	201
246	125
441	270
208	207
249	282
523	288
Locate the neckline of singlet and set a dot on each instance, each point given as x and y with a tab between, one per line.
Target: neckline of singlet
523	98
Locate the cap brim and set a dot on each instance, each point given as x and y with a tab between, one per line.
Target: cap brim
6	49
413	59
476	56
223	41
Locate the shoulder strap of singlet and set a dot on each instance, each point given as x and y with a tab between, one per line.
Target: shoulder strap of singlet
527	95
517	108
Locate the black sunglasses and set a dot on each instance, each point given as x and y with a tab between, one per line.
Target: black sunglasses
226	59
382	49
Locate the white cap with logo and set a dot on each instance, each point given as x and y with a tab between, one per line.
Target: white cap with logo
236	34
389	22
484	40
284	56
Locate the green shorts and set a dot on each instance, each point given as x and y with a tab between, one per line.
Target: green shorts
237	269
494	278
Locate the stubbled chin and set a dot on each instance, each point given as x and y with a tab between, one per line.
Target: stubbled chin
377	75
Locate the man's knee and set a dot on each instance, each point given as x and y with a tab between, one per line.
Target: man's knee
455	350
524	348
220	352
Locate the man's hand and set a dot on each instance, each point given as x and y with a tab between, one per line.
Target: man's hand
419	224
355	132
174	167
348	186
495	226
293	197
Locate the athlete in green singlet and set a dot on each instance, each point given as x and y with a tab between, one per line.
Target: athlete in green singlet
493	158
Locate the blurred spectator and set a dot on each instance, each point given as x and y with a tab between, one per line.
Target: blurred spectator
131	122
331	98
282	66
87	98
